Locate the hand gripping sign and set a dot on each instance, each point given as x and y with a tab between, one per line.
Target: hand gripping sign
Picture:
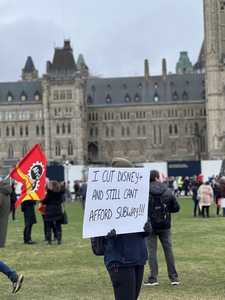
117	198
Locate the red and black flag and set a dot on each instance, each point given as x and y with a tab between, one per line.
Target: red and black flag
31	173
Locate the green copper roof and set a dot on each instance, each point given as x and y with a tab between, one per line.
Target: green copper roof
184	64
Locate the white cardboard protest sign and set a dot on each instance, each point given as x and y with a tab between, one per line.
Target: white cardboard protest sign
117	198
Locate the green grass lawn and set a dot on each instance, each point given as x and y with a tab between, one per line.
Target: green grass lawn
71	271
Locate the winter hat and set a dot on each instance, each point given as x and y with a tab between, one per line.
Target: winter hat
119	162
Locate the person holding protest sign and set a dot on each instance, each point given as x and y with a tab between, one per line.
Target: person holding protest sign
125	255
16	279
162	203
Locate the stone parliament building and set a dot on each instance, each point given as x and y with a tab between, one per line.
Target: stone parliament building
86	119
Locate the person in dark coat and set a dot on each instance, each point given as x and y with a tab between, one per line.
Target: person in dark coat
28	209
53	211
125	256
161	196
5	191
194	189
13	198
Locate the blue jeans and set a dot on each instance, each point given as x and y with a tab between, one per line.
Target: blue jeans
11	274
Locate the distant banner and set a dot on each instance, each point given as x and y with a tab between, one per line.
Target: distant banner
117	198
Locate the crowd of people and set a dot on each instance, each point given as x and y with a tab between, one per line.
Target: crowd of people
125	267
203	193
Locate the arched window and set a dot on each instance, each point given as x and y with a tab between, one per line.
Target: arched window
122	131
106	131
69	128
13	131
24	149
21	131
57	129
26	130
112	131
37	130
7	131
170	129
70	148
58	149
91	131
128	131
10	151
143	130
138	130
175	129
96	131
63	128
42	130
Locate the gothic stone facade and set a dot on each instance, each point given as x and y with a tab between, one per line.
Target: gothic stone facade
83	119
214	44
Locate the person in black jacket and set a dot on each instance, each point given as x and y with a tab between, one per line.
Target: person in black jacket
28	210
125	256
53	211
162	203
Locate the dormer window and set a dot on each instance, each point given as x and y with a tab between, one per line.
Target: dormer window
185	95
9	97
108	99
156	97
140	85
37	96
175	96
137	98
23	96
127	98
89	99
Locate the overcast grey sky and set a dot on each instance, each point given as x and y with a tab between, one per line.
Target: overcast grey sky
115	36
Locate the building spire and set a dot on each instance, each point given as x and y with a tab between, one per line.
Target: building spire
29	72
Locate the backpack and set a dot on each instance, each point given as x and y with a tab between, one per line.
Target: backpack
98	245
159	214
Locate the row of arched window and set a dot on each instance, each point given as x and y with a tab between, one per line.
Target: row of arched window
40	130
23	96
11	150
62	94
63	128
11	131
58	149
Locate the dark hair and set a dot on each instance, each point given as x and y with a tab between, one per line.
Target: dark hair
154	174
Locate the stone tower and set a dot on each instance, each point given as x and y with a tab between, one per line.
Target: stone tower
64	108
214	21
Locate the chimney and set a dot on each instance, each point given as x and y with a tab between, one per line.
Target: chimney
146	71
164	67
